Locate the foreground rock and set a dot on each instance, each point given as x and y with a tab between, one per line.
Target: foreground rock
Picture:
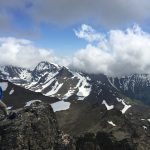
36	128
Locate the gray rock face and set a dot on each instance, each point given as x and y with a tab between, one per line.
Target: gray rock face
35	128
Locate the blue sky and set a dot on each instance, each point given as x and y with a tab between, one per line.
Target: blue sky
89	35
59	37
50	23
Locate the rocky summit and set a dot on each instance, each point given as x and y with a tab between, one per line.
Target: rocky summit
35	127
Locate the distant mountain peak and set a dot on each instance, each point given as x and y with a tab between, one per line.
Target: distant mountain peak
45	65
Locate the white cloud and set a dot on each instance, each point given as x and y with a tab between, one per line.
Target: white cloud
119	53
88	33
22	52
92	60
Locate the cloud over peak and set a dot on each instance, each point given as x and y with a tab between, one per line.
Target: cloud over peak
23	53
119	53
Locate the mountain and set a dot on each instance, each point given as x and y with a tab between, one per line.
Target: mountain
49	79
66	85
57	81
136	86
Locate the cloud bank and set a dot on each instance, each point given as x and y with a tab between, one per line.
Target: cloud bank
109	13
104	12
118	53
23	53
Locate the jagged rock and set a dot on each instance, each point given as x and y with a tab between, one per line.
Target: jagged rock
34	128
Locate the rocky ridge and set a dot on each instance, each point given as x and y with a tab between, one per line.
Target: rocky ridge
35	128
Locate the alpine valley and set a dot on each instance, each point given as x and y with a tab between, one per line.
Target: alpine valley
115	110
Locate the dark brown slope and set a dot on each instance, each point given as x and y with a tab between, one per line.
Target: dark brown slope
36	128
21	95
130	127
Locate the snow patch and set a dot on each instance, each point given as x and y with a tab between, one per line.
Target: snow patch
148	120
107	106
48	83
54	89
61	105
25	74
126	107
111	123
11	92
84	88
81	98
4	85
32	101
68	94
10	107
144	127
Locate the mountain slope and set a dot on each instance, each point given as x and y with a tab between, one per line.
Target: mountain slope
35	127
16	96
135	86
133	127
49	79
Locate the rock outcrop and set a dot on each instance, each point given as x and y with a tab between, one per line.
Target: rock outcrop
35	128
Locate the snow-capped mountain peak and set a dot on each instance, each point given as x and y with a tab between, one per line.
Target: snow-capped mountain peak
44	65
61	82
13	72
51	80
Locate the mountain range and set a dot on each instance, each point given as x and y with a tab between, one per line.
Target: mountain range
61	82
118	106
